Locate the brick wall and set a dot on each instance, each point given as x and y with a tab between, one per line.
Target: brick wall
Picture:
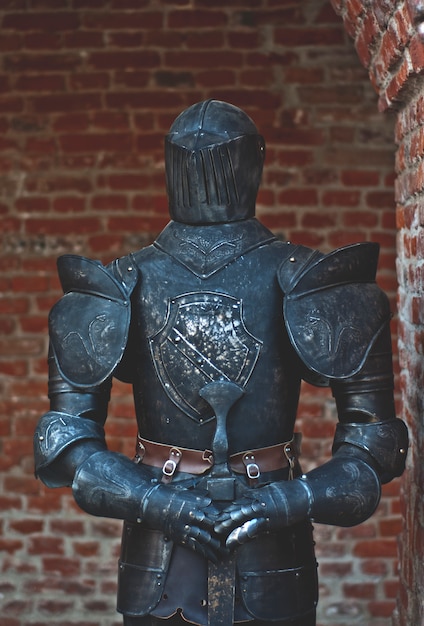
389	39
87	90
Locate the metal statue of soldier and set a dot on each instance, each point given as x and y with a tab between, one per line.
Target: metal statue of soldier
215	325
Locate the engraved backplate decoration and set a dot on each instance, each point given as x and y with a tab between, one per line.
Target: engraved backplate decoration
204	339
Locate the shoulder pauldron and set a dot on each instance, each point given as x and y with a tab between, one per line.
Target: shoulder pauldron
333	309
89	325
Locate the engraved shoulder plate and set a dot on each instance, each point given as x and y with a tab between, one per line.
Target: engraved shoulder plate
335	311
89	324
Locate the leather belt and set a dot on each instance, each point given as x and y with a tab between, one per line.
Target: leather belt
250	462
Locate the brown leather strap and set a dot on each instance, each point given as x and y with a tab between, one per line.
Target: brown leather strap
256	461
250	462
170	457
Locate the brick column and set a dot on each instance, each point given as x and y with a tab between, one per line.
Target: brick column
388	37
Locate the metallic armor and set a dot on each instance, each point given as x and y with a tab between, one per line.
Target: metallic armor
215	325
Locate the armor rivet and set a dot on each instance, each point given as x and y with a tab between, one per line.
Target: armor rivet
159	584
130	269
292	259
186	527
203	602
263	504
158	575
138	520
41	438
402	451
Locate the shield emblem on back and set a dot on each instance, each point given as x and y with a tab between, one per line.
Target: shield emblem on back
204	339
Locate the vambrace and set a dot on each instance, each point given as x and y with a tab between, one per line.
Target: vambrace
109	484
345	491
56	433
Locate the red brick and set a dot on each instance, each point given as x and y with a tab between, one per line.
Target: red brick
54	607
63	226
143	100
360	178
323	36
341	198
86	548
42	41
69	204
360	590
89	81
33	204
40	82
109	202
381	609
41	145
24	62
12	306
61	184
16	368
197	19
375	567
10	545
377	548
29	283
120	60
83	39
71	122
67	528
66	102
65	567
27	526
60	20
10	42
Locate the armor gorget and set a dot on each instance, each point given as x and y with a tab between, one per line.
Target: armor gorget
204	250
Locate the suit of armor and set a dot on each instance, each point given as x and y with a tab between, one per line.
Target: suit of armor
215	325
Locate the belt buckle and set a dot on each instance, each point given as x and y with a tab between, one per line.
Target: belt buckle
169	467
252	470
171	464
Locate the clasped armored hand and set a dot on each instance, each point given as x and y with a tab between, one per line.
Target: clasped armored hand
262	510
186	516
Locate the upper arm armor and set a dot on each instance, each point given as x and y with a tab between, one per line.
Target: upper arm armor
333	309
89	325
